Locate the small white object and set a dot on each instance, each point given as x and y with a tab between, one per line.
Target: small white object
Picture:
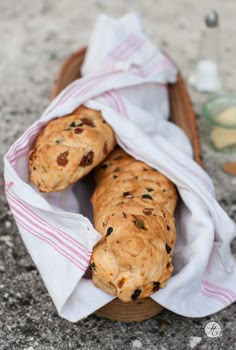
207	76
8	224
193	341
137	344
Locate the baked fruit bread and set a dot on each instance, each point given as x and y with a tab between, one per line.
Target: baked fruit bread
69	148
133	210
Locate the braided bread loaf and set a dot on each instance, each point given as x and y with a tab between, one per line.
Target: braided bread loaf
133	210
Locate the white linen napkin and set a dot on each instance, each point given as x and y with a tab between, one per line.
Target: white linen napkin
125	77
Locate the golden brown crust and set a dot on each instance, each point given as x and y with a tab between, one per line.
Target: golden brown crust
133	210
69	148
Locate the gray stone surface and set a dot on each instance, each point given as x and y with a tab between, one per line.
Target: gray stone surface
35	38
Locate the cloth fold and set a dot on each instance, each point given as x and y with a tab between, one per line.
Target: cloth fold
125	77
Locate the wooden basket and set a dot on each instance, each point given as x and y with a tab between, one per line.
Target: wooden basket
182	114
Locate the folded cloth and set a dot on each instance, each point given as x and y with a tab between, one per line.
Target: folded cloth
125	77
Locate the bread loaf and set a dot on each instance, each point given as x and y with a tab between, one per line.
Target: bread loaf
69	148
133	210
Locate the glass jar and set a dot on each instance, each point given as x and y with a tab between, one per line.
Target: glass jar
220	114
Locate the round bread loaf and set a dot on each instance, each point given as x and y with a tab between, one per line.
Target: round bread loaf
69	148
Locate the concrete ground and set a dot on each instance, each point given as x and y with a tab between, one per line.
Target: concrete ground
35	38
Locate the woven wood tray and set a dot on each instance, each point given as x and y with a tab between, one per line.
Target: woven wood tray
182	114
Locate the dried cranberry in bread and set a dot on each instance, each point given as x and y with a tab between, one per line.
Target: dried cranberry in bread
69	148
133	210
